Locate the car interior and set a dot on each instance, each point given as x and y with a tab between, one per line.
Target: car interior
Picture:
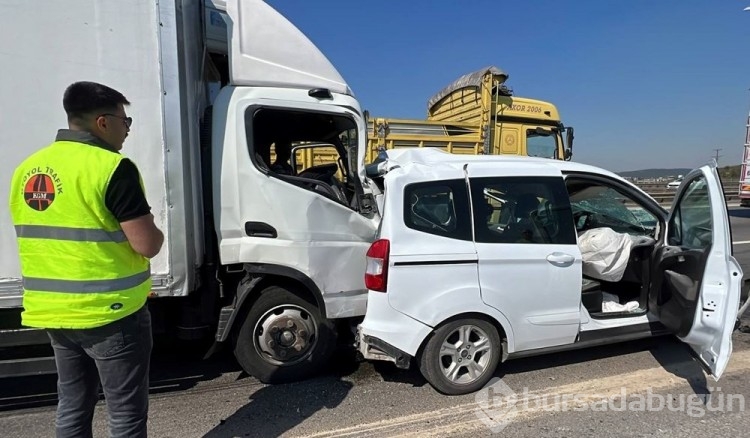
595	207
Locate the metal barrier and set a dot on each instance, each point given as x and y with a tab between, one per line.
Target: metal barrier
668	197
663	196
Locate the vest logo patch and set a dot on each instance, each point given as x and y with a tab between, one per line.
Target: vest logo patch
39	192
41	187
116	306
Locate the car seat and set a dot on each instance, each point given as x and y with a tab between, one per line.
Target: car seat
523	229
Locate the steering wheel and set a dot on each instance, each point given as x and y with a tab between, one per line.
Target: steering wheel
338	186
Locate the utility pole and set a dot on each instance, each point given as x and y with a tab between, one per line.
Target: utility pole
716	155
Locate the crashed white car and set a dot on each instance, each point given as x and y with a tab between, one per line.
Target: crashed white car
487	258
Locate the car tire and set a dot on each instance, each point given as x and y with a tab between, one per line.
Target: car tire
290	322
473	366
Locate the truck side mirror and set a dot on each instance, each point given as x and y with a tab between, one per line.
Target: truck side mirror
569	142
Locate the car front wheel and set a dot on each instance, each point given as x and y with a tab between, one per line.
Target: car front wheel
461	356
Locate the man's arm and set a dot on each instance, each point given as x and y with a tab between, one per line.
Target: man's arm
127	202
143	235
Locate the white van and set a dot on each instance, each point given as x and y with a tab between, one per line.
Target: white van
483	259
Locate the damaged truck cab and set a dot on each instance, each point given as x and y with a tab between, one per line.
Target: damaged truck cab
259	256
299	236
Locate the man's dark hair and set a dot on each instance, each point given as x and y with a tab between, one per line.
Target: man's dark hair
86	98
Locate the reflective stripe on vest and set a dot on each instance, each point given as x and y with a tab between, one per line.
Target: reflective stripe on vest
67	233
87	286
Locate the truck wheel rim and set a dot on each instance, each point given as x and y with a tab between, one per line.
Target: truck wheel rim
465	354
285	335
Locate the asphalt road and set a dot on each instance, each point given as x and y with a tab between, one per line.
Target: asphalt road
643	388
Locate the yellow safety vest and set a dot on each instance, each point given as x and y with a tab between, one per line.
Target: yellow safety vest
78	268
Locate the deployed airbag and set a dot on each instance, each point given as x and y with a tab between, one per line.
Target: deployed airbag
605	253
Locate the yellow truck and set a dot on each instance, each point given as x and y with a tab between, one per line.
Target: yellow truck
478	114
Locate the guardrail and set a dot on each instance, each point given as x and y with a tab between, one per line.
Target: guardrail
664	196
668	197
729	185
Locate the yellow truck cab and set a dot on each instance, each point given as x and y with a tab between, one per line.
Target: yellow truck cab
477	114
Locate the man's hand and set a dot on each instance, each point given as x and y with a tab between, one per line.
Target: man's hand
143	235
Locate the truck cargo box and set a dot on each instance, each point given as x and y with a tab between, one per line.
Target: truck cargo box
135	47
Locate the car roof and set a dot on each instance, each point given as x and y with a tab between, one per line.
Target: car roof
426	163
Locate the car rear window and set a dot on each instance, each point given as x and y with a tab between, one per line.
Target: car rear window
522	210
440	208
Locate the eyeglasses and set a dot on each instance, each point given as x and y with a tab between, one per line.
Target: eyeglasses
127	120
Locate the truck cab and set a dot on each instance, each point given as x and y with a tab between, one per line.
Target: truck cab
266	261
477	114
298	237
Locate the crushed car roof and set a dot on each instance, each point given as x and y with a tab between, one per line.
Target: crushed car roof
437	159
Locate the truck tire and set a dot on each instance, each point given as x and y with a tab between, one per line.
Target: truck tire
471	347
284	338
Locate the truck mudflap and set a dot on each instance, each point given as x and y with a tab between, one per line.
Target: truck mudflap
373	348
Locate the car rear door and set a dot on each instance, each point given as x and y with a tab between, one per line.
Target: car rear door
529	261
697	281
432	273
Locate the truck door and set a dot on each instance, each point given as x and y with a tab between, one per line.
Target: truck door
309	221
697	283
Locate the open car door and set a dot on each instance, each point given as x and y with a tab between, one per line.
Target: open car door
697	281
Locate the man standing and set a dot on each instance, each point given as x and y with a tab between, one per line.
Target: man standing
85	235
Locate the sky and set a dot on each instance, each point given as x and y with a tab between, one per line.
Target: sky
645	84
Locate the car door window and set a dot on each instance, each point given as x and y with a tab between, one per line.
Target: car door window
439	207
597	205
690	227
522	210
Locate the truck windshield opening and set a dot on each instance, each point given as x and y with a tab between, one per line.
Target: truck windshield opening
541	144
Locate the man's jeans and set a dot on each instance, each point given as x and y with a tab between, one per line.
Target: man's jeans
117	354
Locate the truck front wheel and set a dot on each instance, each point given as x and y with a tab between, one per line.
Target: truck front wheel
284	338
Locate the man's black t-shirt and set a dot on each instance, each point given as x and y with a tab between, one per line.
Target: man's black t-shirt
124	197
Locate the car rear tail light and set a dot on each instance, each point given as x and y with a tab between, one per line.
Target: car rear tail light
376	274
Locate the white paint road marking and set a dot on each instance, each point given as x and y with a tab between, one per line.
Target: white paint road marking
741	242
462	418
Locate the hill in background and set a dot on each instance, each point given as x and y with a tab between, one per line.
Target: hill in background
654	173
727	173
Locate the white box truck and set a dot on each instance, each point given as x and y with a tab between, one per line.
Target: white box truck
268	262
